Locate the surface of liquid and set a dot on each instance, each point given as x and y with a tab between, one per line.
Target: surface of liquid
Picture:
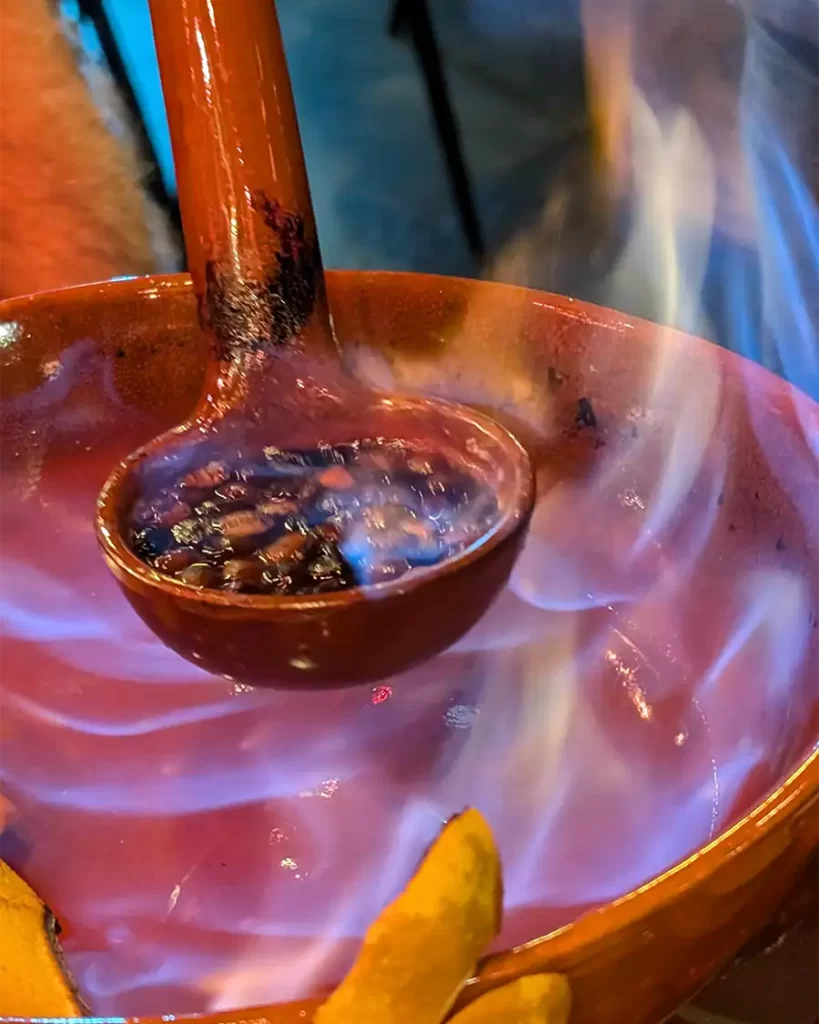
206	845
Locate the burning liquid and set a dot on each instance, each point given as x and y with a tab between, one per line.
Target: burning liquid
311	521
647	676
209	846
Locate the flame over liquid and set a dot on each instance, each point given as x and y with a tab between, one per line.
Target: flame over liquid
210	846
626	698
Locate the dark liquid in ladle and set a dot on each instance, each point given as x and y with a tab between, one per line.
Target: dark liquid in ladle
311	521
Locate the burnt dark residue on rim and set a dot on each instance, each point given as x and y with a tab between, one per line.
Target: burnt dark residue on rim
245	314
309	521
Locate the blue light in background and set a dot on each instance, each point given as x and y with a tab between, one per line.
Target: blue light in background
130	22
88	37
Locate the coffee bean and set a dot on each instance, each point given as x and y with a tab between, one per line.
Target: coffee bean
216	548
207	476
208	508
329	571
175	559
418	530
199	575
245	530
166	510
233	491
245	523
243	574
272	507
190	531
285	553
336	478
288	463
151	542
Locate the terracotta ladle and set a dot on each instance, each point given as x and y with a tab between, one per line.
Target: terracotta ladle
275	377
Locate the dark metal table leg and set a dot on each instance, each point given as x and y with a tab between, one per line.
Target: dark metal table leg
413	16
95	12
397	19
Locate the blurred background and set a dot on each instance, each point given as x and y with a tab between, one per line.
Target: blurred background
430	129
655	159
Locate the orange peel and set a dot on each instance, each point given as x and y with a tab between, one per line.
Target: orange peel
421	949
534	999
33	978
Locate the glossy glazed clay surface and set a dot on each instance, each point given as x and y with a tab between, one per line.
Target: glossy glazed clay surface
273	377
645	682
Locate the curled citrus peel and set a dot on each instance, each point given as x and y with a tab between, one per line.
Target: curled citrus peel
534	999
33	979
419	952
422	948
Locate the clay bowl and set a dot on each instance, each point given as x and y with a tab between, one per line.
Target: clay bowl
637	713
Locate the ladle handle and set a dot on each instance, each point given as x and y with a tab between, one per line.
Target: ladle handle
248	220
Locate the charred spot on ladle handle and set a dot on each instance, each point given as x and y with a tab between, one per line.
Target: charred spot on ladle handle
247	314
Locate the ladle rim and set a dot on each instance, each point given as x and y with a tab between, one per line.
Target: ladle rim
514	514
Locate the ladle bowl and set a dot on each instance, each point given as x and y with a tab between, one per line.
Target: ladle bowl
94	708
347	636
273	377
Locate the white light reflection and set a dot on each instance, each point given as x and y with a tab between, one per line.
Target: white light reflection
10	332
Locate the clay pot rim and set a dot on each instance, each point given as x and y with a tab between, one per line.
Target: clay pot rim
792	798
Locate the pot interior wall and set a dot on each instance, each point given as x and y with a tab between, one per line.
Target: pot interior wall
643	682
